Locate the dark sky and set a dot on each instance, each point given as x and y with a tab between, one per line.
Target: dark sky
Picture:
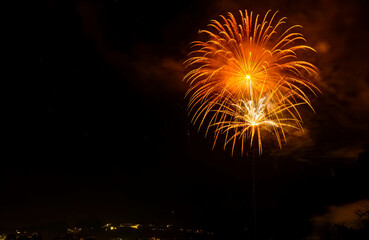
103	132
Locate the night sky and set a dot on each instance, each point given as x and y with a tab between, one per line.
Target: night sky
102	133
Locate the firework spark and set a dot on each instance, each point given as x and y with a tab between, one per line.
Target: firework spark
247	76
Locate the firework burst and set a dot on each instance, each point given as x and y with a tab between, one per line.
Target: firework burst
247	76
244	119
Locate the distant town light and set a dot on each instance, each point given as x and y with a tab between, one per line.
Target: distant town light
135	226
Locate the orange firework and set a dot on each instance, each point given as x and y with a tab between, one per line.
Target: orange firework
247	76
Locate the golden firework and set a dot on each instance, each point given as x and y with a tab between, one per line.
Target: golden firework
244	119
247	75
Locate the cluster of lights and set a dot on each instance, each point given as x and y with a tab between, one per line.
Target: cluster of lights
152	227
110	227
21	235
74	230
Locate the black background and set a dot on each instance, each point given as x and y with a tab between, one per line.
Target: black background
101	134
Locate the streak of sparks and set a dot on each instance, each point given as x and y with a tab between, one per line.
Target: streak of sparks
246	118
